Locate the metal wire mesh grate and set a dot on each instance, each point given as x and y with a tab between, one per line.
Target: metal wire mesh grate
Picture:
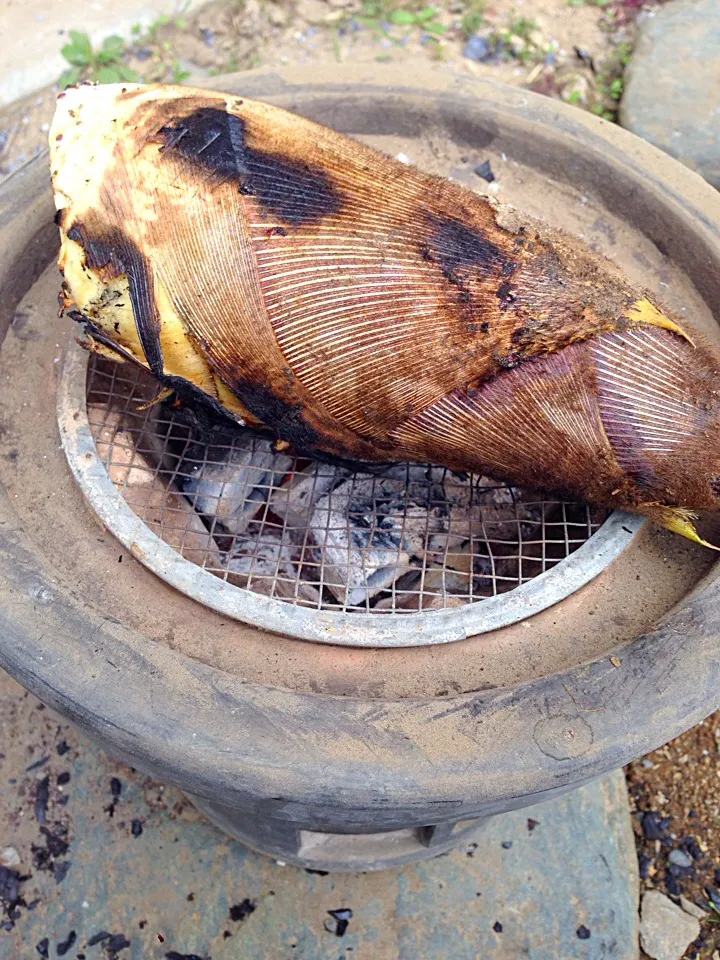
406	538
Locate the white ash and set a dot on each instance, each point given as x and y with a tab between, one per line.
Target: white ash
409	537
370	530
365	533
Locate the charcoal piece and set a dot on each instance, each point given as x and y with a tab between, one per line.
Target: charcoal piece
441	588
681	859
165	511
270	565
62	748
98	938
60	870
713	897
136	828
654	826
10	881
64	946
476	526
295	500
42	794
130	441
585	58
241	911
342	918
365	533
43	948
231	484
477	48
484	170
63	778
582	932
690	844
56	846
505	513
116	943
55	842
671	885
464	530
37	765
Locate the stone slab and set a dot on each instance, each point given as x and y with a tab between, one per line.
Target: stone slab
179	878
672	84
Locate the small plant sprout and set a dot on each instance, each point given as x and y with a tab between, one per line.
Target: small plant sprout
472	18
104	65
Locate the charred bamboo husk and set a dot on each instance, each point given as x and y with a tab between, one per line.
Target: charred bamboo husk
276	272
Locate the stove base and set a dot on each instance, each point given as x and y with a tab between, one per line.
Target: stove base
338	852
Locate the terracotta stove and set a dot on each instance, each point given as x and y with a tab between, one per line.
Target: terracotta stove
342	668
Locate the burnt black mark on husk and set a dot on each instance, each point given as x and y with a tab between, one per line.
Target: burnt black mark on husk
282	417
715	485
116	254
454	246
215	141
505	294
207	408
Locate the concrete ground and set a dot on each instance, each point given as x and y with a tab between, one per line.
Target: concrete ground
35	30
107	864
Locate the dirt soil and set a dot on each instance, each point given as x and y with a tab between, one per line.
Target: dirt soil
574	50
675	797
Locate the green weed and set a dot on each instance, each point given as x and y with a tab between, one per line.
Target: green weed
473	18
175	19
516	41
522	27
104	65
108	63
610	81
177	73
601	111
381	16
